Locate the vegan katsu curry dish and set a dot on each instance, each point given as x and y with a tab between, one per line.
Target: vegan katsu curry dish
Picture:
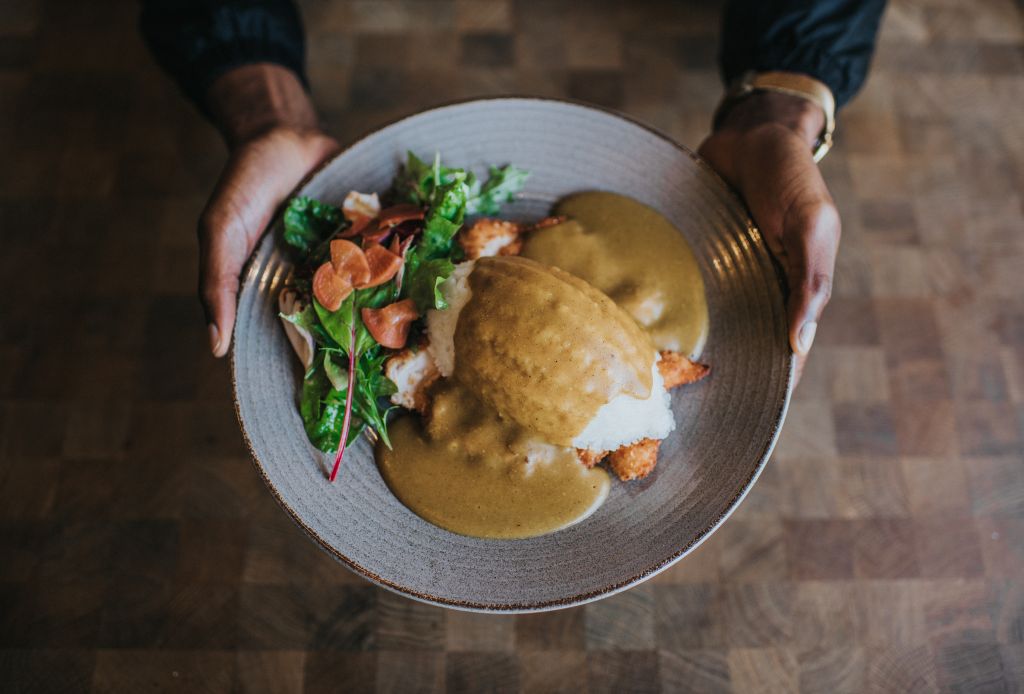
527	359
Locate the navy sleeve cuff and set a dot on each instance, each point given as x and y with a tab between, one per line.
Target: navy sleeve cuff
830	40
198	41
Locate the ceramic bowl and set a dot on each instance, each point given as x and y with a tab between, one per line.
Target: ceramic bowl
726	425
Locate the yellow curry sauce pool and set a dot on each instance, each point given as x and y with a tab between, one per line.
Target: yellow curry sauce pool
537	353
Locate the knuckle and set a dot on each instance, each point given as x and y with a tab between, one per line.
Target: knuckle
818	284
214	222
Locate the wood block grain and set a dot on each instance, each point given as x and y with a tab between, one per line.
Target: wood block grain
871	487
404	671
617	671
769	670
759	614
689	616
271	671
885	548
331	671
819	549
560	630
473	672
552	672
699	672
622	622
468	631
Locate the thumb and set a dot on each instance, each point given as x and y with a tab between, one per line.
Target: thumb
810	239
258	178
223	249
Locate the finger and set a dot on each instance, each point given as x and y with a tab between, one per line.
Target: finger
222	251
254	184
810	239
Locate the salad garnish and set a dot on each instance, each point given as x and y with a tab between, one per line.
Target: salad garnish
365	277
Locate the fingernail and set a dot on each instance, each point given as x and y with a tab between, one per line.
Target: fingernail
214	339
805	337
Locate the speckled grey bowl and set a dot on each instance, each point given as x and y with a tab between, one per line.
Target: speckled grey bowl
727	424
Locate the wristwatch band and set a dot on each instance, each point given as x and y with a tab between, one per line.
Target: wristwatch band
794	84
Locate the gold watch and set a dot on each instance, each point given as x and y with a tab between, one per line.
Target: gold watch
794	84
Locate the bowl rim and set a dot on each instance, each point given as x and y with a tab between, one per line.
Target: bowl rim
543	605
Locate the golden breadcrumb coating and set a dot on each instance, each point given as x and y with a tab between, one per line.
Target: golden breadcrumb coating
635	461
412	372
677	370
488	237
590	458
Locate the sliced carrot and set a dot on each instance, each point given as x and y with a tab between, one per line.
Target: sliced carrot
390	325
400	213
359	224
376	233
329	288
349	261
383	265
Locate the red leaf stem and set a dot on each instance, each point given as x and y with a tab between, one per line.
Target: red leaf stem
348	399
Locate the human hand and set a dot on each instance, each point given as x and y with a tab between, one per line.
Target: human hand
274	142
763	149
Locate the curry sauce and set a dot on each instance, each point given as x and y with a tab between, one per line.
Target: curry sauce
470	471
538	351
635	256
546	349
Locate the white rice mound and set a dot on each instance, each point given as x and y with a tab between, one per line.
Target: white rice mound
626	419
622	421
441	324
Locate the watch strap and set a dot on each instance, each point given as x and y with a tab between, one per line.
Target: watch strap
794	84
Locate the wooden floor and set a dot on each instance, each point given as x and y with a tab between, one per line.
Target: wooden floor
882	550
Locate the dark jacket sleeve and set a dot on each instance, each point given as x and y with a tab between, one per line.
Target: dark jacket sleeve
830	40
198	40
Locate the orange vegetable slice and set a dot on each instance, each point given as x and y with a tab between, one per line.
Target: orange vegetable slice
390	325
397	214
359	224
383	265
349	262
329	288
376	233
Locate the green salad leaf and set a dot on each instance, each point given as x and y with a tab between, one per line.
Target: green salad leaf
417	180
502	186
449	195
309	222
307	318
423	282
337	324
323	409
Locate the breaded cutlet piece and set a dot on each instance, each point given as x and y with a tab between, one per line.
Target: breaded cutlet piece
590	458
635	461
677	370
490	237
412	372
